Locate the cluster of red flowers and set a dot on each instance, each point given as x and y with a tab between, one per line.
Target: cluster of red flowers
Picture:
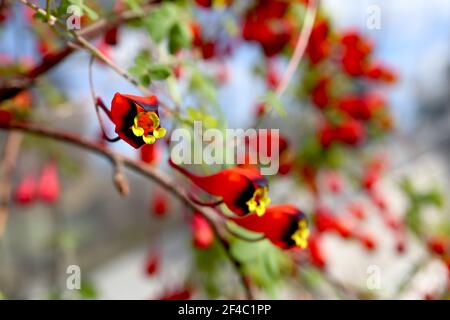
356	109
267	24
245	193
45	188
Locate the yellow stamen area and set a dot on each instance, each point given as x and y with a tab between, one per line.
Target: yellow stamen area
146	125
259	202
301	235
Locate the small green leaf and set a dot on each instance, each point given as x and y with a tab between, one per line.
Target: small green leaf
274	101
161	20
159	71
180	37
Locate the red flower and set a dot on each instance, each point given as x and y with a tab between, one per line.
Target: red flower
355	106
355	53
204	3
284	225
377	71
327	221
327	135
265	141
243	190
333	181
136	119
320	93
26	190
202	232
152	263
316	253
5	117
318	46
351	132
48	189
357	210
159	204
366	239
438	244
272	76
266	25
111	36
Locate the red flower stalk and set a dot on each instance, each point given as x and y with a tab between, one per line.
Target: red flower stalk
202	232
25	192
242	190
136	119
49	189
284	225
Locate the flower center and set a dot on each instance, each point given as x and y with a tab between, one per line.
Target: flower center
301	235
259	202
146	125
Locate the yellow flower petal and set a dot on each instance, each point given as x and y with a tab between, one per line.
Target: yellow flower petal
149	139
301	235
155	119
159	133
138	131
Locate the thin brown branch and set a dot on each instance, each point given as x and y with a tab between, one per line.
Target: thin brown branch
160	177
8	161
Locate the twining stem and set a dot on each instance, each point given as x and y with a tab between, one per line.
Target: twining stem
300	47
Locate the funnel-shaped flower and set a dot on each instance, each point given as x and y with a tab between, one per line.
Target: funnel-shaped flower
136	119
243	190
284	225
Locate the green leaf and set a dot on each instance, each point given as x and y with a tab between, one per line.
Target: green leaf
134	5
159	71
274	101
203	86
180	37
87	290
160	21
